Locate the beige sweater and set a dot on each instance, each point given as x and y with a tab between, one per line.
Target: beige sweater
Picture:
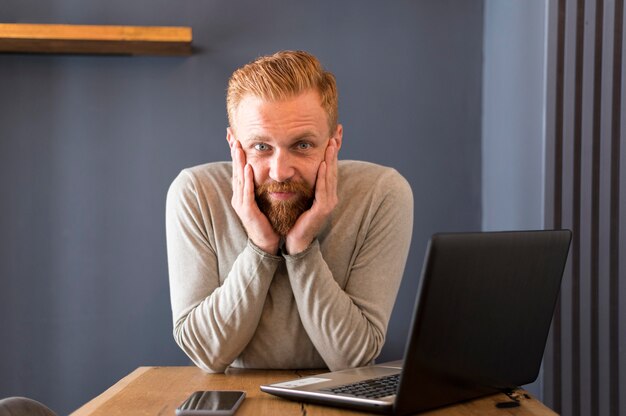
329	306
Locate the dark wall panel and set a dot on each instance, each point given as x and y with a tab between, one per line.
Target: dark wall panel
585	361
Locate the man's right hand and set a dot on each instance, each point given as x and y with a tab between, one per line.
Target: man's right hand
258	227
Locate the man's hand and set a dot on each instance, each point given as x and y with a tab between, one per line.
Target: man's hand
311	222
257	225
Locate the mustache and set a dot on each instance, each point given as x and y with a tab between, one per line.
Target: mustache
295	187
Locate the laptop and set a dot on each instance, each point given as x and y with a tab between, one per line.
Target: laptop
481	320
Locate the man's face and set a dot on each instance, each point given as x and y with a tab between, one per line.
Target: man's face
284	142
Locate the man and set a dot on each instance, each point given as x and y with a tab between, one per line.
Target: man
285	257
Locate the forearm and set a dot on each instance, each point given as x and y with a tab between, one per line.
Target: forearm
215	331
347	330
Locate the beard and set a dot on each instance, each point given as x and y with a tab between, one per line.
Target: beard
282	215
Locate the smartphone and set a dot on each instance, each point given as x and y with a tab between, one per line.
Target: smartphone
213	402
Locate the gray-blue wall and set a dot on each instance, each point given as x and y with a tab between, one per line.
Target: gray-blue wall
513	117
89	145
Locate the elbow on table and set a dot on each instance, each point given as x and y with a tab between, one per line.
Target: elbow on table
357	356
199	353
348	361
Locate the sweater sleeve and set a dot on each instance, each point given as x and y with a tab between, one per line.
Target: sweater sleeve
348	325
213	323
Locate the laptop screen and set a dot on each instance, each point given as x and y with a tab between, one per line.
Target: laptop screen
483	314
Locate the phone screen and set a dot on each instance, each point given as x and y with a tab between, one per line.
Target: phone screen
211	402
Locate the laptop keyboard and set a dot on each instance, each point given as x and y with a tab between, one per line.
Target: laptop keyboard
373	388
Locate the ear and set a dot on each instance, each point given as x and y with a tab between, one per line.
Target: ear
338	135
230	136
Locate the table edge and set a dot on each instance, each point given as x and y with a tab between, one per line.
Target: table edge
89	407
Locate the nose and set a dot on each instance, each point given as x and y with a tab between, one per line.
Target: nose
281	166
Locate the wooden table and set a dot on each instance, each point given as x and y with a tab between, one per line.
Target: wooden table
159	390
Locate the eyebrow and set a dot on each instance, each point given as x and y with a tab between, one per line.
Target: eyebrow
255	138
260	138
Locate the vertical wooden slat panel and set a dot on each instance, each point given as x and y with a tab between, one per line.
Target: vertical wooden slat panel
586	372
615	200
558	191
595	206
576	208
622	229
551	363
604	361
587	58
569	288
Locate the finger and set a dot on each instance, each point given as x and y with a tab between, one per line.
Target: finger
320	185
238	174
331	169
248	186
239	158
331	155
242	156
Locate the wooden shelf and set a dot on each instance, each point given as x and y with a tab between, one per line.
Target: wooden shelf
87	39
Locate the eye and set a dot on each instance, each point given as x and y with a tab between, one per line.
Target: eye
261	147
303	146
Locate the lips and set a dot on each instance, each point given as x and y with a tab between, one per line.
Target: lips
282	196
277	192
